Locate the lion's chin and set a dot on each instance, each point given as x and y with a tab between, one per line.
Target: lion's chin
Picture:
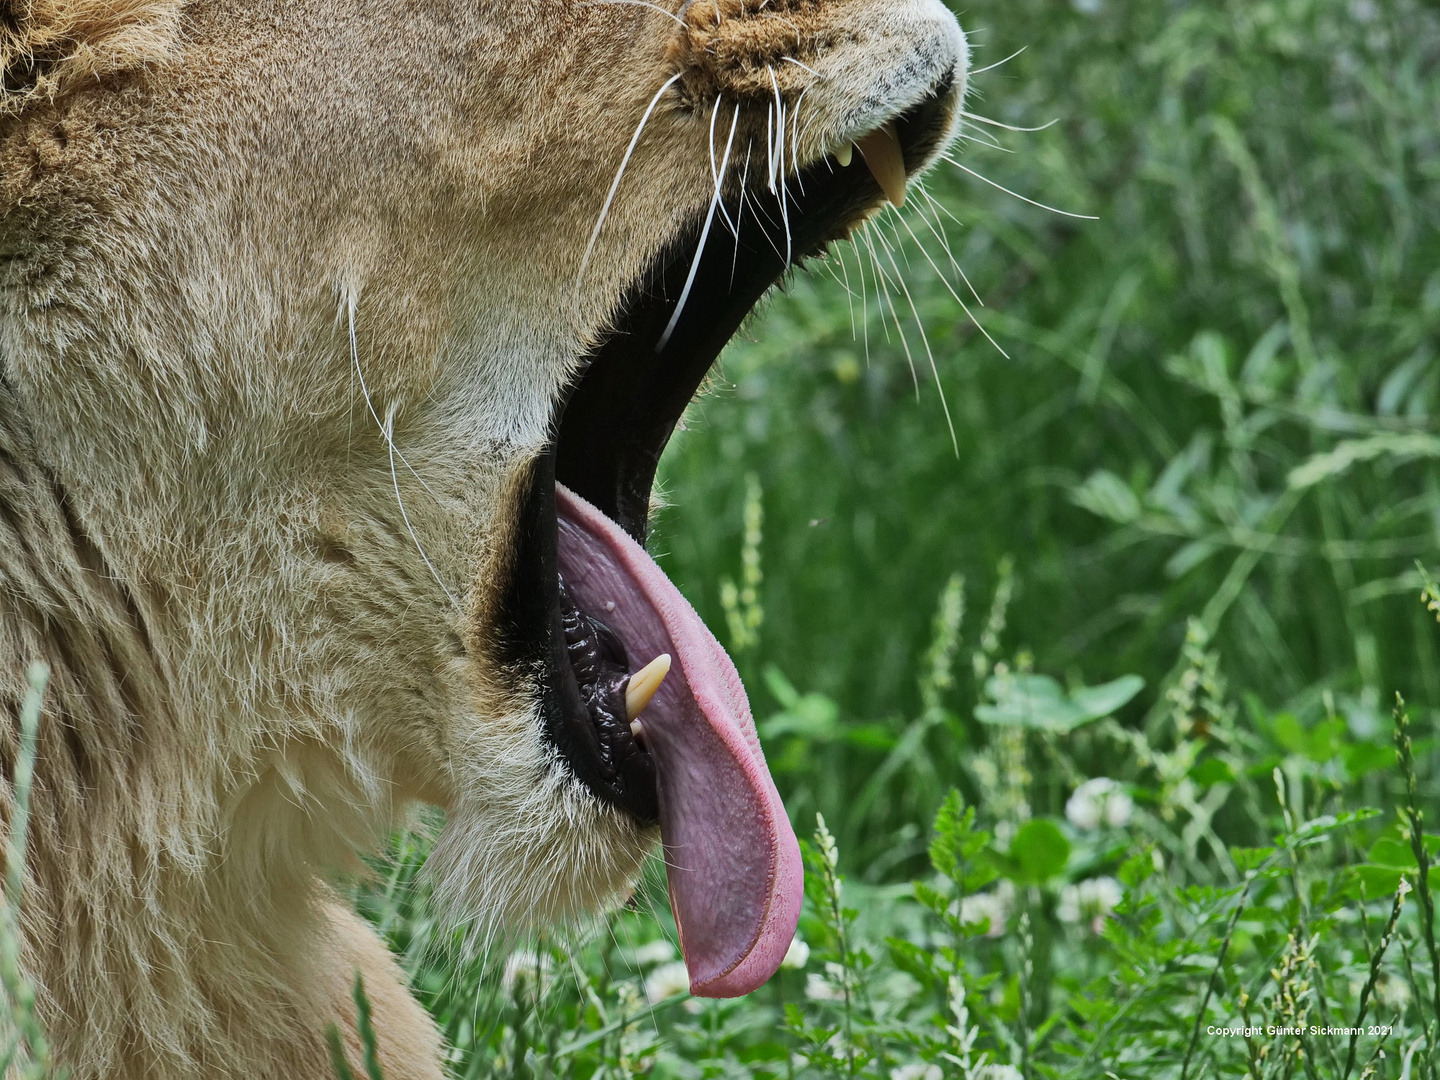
545	853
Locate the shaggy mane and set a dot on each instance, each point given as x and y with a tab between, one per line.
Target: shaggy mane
46	45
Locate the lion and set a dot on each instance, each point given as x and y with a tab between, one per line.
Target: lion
338	345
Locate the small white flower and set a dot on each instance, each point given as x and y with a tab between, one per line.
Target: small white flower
666	981
1101	799
654	952
524	965
1089	902
916	1070
819	988
1118	809
984	908
992	907
796	955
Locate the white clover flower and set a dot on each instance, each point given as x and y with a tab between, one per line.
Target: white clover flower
1101	799
666	981
524	965
796	955
984	908
992	907
654	952
916	1070
1089	902
819	988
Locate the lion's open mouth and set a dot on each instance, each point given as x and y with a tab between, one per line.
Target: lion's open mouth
590	604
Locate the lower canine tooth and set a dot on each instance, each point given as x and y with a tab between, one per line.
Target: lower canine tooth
636	730
881	151
643	684
845	155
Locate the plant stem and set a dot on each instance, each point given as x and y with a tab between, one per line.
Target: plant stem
1405	754
1215	974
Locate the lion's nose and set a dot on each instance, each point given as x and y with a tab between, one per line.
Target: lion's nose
829	73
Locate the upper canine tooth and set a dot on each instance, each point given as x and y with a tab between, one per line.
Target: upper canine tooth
881	151
644	683
845	155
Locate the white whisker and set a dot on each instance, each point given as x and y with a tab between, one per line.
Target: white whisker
795	134
614	187
1022	198
387	431
864	298
920	326
963	306
893	212
943	209
849	293
770	146
636	3
740	211
351	301
937	230
983	138
930	355
700	249
716	175
992	67
895	318
1007	127
882	296
780	144
806	67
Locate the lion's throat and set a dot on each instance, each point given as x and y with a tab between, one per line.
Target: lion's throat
730	855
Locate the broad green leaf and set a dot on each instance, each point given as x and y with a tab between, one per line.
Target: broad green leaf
1209	771
1100	701
1361	759
1039	851
1038	701
1107	496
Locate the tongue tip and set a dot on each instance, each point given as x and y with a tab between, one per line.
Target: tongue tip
777	931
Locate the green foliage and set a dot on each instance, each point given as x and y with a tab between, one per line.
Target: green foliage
365	1025
24	1050
1038	701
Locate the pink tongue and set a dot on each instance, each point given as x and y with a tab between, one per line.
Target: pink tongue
730	854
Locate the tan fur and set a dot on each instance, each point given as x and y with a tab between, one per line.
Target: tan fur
46	44
264	563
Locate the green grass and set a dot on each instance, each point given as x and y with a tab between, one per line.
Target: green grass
1231	879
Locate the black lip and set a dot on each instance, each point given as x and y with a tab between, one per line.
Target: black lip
617	418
